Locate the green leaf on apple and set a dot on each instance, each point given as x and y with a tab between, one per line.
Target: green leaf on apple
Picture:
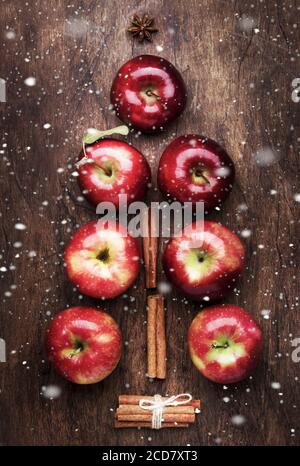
92	135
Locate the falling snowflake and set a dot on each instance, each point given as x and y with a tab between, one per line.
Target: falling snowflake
10	35
275	385
51	391
20	226
246	23
246	233
266	157
76	27
242	207
222	172
164	287
297	197
30	81
266	314
238	420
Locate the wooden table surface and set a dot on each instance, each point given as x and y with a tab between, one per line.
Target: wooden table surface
238	59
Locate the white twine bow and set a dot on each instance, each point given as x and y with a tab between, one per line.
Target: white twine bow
158	405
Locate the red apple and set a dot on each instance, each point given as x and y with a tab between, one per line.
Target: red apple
112	168
83	344
205	262
102	260
194	168
148	92
225	343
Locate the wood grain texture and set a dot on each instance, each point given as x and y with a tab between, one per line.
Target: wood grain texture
239	85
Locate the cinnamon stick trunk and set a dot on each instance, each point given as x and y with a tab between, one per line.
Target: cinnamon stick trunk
156	338
135	399
161	344
150	242
184	418
148	425
135	409
151	338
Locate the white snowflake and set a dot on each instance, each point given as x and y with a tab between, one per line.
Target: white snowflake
51	391
30	81
20	226
238	420
266	157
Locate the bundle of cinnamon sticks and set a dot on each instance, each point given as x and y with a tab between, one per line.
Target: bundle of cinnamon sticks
130	414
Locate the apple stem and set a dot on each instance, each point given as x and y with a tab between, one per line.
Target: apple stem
85	159
199	174
79	346
150	93
83	148
76	351
107	171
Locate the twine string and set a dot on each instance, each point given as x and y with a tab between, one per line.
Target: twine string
158	405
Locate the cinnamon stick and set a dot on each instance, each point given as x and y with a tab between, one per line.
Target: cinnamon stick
135	409
156	337
161	345
135	399
184	418
151	337
150	241
148	425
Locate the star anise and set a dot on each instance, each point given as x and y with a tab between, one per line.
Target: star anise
142	27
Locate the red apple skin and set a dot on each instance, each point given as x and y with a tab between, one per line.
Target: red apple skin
196	169
100	262
83	344
219	324
208	272
148	93
113	168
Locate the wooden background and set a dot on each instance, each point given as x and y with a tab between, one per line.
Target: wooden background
238	59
